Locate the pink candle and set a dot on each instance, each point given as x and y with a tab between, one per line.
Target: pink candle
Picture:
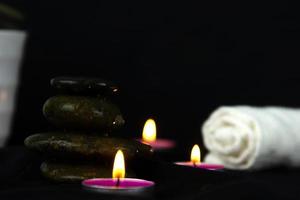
125	186
160	144
118	184
201	165
195	161
149	137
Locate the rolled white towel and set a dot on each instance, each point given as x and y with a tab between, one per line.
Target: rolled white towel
243	137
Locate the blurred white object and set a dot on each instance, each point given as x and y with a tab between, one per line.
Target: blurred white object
242	137
11	51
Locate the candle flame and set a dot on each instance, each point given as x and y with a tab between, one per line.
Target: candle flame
119	166
149	131
195	154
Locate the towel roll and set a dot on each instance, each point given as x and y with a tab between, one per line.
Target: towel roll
243	137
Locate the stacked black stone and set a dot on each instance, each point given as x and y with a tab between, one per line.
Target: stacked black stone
82	148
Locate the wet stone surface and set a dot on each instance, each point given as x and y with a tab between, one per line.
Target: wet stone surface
84	86
87	147
82	113
76	171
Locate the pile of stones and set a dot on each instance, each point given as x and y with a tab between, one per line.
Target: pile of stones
85	117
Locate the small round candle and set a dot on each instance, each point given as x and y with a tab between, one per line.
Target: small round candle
201	165
118	184
149	137
125	186
196	161
160	144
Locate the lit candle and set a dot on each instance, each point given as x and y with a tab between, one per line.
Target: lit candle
196	161
149	137
118	184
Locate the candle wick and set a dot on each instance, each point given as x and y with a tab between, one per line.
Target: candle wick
194	163
118	182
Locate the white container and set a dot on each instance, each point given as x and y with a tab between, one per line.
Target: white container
11	51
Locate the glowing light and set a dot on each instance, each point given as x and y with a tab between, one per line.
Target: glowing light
149	131
196	155
119	166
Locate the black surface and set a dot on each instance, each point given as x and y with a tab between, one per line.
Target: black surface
20	178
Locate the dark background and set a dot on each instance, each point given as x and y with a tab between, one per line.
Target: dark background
175	62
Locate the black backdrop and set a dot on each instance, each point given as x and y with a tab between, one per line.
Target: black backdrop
173	61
